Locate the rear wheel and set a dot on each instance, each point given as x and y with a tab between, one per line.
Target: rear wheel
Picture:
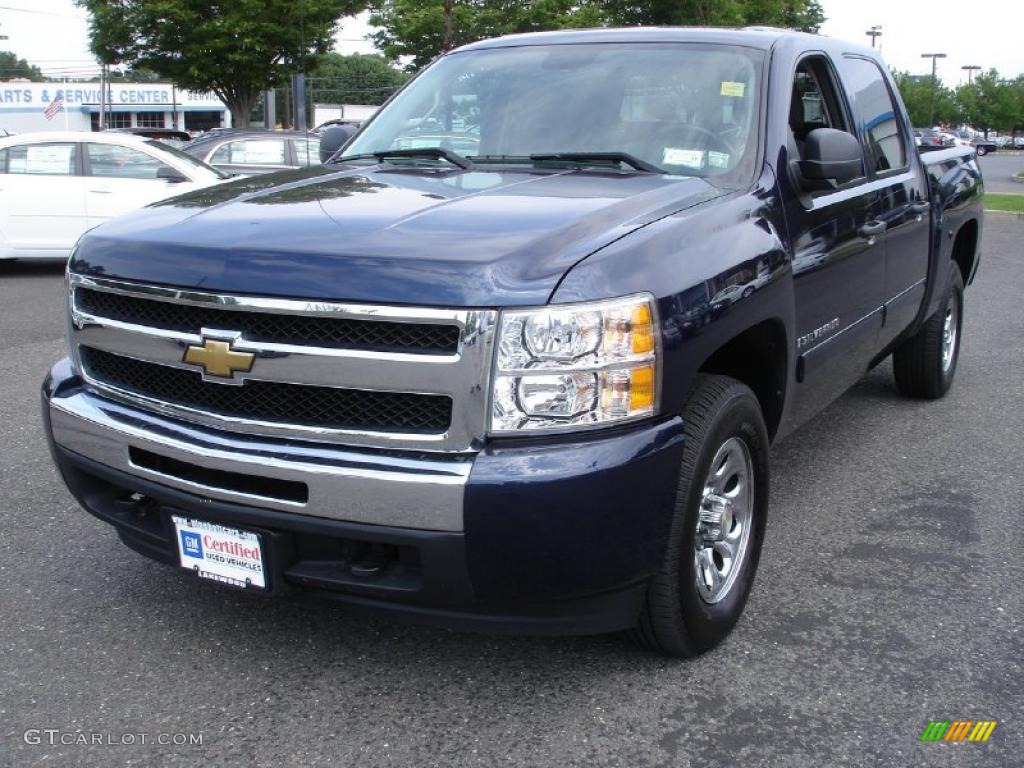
925	364
981	151
718	523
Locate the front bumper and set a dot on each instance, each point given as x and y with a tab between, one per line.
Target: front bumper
542	536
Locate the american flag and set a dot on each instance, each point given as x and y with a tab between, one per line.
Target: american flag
55	106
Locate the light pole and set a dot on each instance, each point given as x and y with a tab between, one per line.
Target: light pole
971	69
935	83
875	31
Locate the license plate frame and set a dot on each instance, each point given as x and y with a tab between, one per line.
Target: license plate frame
221	553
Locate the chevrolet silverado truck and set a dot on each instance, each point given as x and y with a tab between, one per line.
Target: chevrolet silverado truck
514	358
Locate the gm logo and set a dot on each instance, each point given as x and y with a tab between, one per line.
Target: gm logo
191	544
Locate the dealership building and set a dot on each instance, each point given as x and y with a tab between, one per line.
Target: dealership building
23	107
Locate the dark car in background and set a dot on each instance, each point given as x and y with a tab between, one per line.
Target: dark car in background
927	139
170	136
983	146
249	153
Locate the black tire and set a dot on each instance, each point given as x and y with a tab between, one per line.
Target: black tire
918	362
981	151
676	620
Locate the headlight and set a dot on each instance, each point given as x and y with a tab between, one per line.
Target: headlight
575	365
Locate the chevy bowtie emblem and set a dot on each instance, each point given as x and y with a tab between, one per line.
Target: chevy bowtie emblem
218	358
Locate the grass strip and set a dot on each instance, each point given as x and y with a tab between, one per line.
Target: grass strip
997	202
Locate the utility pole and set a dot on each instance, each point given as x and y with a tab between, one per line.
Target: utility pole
4	37
299	101
102	123
446	44
971	69
875	31
935	83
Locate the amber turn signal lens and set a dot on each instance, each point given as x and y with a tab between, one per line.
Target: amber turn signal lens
642	330
641	389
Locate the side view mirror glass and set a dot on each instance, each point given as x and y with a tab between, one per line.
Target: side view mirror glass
831	155
167	173
333	138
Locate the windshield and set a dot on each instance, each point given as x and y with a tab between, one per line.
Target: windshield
688	109
186	158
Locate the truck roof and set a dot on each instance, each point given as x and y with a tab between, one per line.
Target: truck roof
762	38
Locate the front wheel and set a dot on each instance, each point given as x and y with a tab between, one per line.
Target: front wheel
718	523
925	364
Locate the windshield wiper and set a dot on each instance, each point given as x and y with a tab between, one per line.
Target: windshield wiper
616	158
436	153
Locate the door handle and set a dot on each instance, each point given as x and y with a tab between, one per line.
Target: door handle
920	206
101	191
872	228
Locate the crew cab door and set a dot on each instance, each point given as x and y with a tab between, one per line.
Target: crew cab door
42	200
902	194
838	252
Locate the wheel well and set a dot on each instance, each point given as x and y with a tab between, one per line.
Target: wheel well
965	248
757	357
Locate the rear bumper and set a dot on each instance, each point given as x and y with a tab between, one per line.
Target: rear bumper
549	537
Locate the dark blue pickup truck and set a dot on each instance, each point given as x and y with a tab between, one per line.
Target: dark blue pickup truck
514	357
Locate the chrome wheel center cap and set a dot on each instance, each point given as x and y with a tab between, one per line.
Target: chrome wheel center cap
715	517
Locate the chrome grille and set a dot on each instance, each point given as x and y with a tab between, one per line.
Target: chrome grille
353	374
298	404
311	330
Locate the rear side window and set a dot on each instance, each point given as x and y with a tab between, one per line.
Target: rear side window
113	161
3	161
875	108
42	159
251	152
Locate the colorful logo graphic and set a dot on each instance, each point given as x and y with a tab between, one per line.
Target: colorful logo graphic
958	730
191	544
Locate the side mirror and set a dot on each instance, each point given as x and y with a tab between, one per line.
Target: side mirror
333	138
171	175
832	155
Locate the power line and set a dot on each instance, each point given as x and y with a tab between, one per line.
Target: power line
44	13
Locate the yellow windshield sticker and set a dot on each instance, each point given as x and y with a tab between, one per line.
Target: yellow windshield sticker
733	89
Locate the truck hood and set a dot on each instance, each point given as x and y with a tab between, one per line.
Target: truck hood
385	235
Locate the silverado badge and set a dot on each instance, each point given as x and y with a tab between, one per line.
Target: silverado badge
217	358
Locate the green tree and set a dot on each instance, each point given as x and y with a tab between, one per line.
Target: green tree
13	68
991	102
918	92
415	28
356	79
805	15
1017	100
235	48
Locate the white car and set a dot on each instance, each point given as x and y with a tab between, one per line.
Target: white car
54	186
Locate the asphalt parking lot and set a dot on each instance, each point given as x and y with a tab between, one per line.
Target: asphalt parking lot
998	170
890	594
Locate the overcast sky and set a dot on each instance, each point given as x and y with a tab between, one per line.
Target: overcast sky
53	33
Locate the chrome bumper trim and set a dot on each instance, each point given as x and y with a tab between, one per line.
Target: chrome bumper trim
349	485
